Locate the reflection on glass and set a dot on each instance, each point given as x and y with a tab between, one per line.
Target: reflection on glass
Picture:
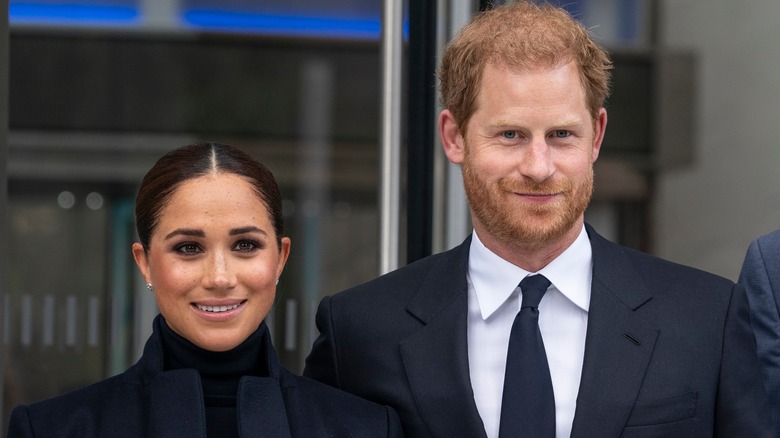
91	111
53	311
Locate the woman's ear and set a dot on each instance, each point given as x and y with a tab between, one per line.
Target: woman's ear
142	261
284	253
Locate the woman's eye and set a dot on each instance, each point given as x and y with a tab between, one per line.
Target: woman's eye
561	133
246	246
510	135
188	248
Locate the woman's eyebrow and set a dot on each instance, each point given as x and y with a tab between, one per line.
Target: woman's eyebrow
185	232
248	229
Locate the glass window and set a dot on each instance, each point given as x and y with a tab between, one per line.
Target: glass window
74	13
54	311
338	18
332	19
90	110
615	23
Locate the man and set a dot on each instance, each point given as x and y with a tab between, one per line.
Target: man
760	276
632	345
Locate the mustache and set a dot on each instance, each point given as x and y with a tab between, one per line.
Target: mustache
533	188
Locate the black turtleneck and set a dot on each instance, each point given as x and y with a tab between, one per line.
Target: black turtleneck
220	372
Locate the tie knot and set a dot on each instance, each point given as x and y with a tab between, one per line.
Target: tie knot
533	288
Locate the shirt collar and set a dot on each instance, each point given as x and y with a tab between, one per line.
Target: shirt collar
494	279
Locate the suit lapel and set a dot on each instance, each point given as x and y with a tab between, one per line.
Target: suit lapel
436	356
618	344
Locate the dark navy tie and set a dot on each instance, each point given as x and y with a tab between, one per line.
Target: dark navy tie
528	404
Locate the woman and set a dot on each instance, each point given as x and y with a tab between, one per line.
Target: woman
211	249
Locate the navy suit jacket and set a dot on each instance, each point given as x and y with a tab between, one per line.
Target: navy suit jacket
146	401
761	278
668	350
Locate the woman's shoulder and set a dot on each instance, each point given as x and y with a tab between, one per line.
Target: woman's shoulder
93	393
78	410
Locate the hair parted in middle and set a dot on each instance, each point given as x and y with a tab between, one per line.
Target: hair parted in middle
196	160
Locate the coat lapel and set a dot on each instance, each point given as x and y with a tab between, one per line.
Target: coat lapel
175	405
262	409
436	356
618	344
174	399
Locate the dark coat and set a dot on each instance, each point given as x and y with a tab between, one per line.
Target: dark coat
760	276
146	401
668	350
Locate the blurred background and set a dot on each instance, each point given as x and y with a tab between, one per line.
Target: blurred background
92	92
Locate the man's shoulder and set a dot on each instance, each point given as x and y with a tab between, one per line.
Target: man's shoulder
761	265
674	270
770	240
406	280
655	269
316	409
315	394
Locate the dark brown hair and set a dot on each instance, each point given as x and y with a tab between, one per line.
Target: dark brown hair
192	161
521	35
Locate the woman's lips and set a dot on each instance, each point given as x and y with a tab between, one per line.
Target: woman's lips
218	309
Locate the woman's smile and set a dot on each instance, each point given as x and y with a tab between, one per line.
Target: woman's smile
214	261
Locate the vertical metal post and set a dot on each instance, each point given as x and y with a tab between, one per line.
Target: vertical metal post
4	56
420	125
390	133
318	83
451	220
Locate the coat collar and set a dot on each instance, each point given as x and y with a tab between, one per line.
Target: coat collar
174	404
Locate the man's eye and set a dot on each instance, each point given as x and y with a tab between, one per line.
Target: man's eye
561	133
510	134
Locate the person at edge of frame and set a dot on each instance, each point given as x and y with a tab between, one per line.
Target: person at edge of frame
760	276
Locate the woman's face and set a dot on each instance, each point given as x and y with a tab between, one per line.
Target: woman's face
213	261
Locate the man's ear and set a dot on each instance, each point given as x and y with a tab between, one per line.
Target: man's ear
451	139
599	128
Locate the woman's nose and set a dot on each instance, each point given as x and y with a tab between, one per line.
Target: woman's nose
219	274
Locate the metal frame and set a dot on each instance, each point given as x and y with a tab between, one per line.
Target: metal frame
3	184
421	128
390	135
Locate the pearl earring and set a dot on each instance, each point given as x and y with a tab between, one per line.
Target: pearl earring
277	281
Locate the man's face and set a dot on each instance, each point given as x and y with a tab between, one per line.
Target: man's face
527	158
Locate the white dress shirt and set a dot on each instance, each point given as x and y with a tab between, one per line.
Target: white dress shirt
494	300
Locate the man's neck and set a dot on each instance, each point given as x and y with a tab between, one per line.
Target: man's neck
530	259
